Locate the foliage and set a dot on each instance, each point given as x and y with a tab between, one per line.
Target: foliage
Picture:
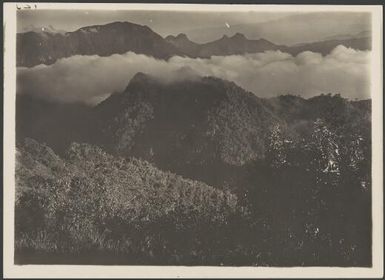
299	172
99	202
320	186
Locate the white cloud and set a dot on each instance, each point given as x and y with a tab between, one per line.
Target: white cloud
91	78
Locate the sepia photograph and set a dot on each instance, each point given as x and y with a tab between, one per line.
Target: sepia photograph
186	136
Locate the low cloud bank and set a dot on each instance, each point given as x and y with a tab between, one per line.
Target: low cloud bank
90	79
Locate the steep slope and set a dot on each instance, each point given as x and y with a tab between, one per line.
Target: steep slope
93	164
89	202
114	38
186	126
183	43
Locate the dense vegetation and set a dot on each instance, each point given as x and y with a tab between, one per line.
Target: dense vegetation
280	182
93	203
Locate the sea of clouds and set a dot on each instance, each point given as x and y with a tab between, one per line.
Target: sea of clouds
90	79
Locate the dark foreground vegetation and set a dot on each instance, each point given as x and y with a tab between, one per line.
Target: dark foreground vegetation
299	208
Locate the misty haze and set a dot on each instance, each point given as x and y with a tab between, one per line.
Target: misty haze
193	138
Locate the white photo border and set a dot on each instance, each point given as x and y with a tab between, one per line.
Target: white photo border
97	271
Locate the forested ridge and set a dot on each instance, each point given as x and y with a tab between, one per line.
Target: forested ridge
195	172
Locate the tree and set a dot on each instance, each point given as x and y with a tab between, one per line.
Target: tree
276	154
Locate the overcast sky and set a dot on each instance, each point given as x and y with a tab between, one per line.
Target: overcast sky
163	22
280	27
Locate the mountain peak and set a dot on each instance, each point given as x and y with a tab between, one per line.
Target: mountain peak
182	36
179	37
120	25
139	78
170	37
238	36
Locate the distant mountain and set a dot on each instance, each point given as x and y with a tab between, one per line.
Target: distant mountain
237	44
362	34
182	42
45	47
325	47
114	38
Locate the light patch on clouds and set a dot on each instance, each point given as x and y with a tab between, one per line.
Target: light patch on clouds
90	79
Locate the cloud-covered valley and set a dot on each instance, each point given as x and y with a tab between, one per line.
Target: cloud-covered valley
90	79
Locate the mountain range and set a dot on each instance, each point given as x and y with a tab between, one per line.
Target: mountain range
237	44
104	40
202	129
43	47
